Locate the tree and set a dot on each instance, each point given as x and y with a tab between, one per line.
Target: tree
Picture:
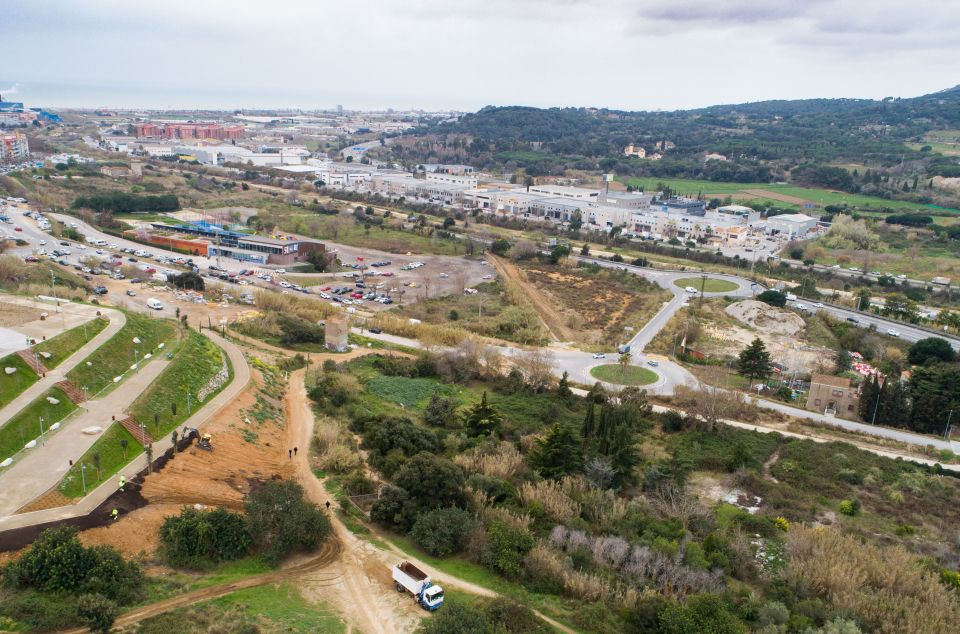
558	252
281	520
443	532
754	361
929	348
774	298
704	614
563	387
431	481
483	419
195	536
623	456
506	547
624	361
440	411
576	220
559	453
97	612
589	422
188	280
585	249
500	246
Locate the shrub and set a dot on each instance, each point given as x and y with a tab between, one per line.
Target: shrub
339	459
456	618
58	562
782	523
703	613
850	507
505	462
444	531
506	547
431	481
930	348
96	612
774	298
280	520
393	508
196	536
552	498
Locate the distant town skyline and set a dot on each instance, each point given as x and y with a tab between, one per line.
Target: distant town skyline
435	55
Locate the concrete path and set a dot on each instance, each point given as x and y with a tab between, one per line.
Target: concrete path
117	321
43	467
241	377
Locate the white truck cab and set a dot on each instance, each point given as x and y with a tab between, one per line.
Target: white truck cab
409	578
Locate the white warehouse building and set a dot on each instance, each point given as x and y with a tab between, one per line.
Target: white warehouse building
791	225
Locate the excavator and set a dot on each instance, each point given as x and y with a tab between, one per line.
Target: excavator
204	442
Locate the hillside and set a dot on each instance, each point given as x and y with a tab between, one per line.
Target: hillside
763	140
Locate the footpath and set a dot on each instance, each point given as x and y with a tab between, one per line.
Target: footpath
86	505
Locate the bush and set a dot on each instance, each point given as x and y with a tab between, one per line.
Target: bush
58	562
850	507
703	613
505	548
96	612
280	520
196	536
456	618
443	532
189	281
431	481
394	509
774	298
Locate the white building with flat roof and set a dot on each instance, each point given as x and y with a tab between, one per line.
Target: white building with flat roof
791	225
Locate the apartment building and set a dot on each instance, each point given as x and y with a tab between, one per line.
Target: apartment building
13	147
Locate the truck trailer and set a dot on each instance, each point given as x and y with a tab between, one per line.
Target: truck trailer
409	578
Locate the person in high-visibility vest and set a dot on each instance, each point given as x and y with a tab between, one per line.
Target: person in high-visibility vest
123	482
114	514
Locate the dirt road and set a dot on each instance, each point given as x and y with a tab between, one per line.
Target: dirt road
552	320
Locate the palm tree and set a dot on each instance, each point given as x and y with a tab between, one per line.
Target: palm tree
624	362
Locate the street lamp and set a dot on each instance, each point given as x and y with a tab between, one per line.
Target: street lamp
41	431
83	476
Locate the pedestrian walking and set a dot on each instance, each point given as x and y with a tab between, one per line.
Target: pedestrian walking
328	505
290	453
294	451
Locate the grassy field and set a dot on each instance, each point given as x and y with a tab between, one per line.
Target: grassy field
269	608
117	355
25	425
711	285
12	385
66	343
737	191
112	458
197	360
347	230
630	375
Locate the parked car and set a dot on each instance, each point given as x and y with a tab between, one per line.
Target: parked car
100	290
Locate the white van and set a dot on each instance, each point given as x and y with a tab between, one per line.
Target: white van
155	304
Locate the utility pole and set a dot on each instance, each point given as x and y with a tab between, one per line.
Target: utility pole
83	476
876	406
42	441
703	283
946	432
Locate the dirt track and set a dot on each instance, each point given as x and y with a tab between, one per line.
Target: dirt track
765	193
552	320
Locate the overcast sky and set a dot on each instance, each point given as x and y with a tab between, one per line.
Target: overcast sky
456	54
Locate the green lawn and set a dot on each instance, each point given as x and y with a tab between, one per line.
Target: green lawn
12	385
631	375
711	285
112	458
116	356
25	425
196	361
66	343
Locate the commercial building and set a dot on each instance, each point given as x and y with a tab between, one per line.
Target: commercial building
833	395
244	247
791	225
685	206
13	147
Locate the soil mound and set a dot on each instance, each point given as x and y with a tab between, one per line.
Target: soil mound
767	318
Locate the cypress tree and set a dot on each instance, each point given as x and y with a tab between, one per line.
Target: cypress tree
589	423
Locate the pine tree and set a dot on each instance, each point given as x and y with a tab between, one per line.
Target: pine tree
754	361
589	423
559	453
623	456
483	419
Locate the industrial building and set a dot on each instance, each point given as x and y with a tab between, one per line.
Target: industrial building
791	225
220	242
189	131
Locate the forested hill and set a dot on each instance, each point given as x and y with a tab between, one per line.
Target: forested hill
761	138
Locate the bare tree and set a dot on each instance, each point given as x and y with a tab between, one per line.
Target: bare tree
537	366
672	500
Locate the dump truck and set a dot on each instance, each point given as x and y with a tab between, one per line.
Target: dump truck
409	578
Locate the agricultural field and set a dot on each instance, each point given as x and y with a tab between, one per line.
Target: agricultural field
781	195
946	142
